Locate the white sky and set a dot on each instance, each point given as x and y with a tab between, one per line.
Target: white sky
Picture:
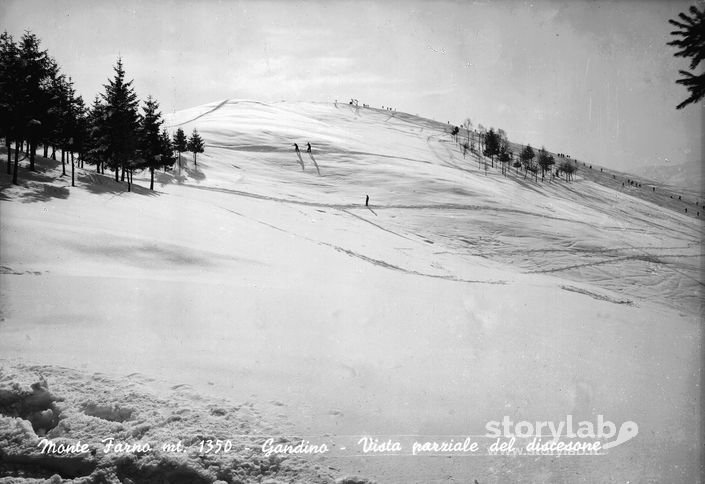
592	79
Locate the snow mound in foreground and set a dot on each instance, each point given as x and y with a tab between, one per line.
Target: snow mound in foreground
33	417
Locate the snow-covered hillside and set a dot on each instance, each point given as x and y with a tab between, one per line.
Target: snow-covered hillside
458	297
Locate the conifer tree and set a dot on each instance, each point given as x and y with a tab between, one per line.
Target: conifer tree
68	108
545	161
121	118
167	150
9	84
568	168
195	144
27	76
34	71
97	136
52	120
180	143
79	131
150	142
691	42
491	145
505	156
527	157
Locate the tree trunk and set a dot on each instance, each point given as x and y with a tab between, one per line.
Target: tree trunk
32	151
53	152
63	163
17	163
151	180
9	155
46	150
117	173
73	178
194	159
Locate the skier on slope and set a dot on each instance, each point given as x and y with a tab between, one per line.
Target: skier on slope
296	147
308	149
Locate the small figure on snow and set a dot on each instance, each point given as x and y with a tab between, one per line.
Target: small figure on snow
367	201
308	148
296	147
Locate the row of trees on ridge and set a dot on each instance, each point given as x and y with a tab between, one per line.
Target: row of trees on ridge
494	144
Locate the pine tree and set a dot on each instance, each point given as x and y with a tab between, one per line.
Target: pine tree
180	143
167	150
23	75
75	131
97	136
150	142
66	111
691	44
491	145
527	157
545	161
56	96
34	94
505	156
195	144
9	95
122	121
568	168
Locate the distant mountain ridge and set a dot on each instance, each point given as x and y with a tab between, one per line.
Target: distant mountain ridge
687	175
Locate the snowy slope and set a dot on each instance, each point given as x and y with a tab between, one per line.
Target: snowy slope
459	296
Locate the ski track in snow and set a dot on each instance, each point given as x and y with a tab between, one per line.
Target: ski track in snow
440	206
386	265
218	106
375	262
599	297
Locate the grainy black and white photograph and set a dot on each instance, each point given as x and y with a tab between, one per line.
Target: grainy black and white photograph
351	242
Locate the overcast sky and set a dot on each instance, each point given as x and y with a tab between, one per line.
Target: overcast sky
592	79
